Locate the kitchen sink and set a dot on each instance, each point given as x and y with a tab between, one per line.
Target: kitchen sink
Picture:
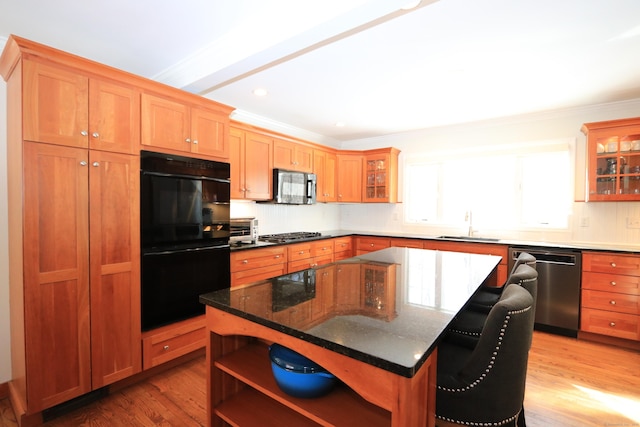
470	238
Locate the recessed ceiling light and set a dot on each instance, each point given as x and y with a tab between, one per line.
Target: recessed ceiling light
411	5
260	92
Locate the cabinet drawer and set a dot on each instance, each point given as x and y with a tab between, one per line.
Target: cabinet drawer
610	263
610	323
611	282
407	243
255	258
343	244
299	251
304	264
370	244
322	248
611	301
172	341
257	274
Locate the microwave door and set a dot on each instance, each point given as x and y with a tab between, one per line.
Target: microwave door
291	188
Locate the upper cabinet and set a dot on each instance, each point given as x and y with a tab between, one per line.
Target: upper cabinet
174	125
325	167
349	176
381	176
68	108
292	156
251	165
613	160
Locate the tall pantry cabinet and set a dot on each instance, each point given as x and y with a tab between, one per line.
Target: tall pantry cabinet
73	228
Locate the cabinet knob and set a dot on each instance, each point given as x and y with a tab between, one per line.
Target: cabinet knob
95	164
613	264
83	163
195	141
187	140
372	245
245	261
277	256
613	283
84	133
95	135
165	348
301	253
612	302
612	324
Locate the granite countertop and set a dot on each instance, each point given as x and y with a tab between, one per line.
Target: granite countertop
387	308
578	246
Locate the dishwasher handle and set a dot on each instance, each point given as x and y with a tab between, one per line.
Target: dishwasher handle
549	257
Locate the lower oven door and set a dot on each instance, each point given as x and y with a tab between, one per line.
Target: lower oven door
172	281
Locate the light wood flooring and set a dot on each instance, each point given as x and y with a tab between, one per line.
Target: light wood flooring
570	382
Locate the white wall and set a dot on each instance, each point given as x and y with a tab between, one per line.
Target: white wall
607	221
5	349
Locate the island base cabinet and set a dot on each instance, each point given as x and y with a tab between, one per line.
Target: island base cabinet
239	376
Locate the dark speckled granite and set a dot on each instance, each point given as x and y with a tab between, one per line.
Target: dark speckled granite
387	308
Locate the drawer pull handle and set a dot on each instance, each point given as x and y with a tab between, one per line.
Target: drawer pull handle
612	324
245	261
372	245
613	283
277	256
613	264
165	348
612	302
301	253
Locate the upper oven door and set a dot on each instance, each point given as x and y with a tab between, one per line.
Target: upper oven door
183	207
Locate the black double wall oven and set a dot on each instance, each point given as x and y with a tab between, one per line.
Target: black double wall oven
184	211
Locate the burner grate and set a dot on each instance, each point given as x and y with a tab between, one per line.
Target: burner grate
290	237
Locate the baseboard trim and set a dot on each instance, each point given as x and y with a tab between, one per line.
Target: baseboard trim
605	339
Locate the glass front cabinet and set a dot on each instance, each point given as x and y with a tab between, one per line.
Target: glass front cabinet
381	176
613	160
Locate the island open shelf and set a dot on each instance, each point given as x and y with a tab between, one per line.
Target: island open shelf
251	366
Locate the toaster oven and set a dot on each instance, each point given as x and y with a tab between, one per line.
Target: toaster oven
243	230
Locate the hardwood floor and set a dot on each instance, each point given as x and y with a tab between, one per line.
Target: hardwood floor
569	383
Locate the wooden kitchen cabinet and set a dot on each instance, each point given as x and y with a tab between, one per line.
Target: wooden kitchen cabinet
380	184
407	243
613	160
378	290
292	156
342	248
365	244
172	341
251	265
325	165
610	303
251	161
176	126
81	266
349	185
302	256
68	108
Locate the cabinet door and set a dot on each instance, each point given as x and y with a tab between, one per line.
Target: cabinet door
258	166
114	117
165	123
115	266
209	133
324	166
56	105
349	178
236	161
56	274
283	154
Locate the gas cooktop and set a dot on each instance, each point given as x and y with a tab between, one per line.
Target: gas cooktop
290	237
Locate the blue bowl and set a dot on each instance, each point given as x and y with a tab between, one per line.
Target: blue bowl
298	376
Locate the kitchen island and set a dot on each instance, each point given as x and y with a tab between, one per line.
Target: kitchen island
374	321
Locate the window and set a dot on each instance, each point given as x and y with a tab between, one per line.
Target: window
524	186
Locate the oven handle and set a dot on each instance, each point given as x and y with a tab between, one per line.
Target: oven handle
177	175
181	251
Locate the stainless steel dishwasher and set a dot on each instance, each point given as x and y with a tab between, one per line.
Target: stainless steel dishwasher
558	301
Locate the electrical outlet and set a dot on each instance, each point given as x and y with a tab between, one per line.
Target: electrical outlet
584	221
633	222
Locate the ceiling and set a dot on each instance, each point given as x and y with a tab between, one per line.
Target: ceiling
368	64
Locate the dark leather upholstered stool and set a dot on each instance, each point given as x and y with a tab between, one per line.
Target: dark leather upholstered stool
468	325
487	296
485	386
